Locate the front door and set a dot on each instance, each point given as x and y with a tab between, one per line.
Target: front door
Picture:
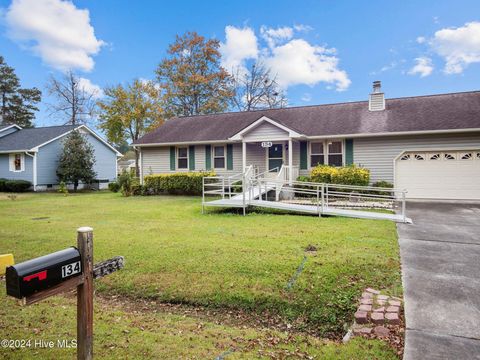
275	157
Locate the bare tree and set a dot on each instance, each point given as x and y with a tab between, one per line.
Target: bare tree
255	89
74	102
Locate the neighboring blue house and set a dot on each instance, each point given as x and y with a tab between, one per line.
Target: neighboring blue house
33	155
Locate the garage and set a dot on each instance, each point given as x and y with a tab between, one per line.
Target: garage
452	174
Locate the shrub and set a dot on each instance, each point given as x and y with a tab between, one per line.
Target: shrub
348	175
129	184
114	187
189	183
2	184
382	184
62	188
17	185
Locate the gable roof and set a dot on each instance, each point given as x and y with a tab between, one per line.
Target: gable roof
8	126
431	113
27	139
31	138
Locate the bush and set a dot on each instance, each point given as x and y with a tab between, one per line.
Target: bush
348	175
189	183
2	184
62	188
114	187
128	183
382	184
17	185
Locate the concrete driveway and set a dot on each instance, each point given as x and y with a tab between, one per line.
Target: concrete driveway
440	255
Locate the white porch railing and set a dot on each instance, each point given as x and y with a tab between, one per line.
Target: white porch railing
245	188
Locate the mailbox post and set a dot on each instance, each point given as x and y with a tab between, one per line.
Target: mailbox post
85	295
37	279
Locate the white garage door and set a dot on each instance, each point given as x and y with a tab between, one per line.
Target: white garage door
439	174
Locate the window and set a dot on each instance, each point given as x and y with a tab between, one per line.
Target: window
182	158
405	157
435	156
219	157
449	156
17	162
419	157
466	156
335	153
317	156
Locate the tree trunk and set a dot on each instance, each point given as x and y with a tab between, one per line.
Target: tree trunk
137	162
75	185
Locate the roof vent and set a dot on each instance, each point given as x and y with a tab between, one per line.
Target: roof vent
377	98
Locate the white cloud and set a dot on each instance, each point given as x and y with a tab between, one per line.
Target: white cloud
90	88
273	36
240	45
292	60
459	47
423	67
299	62
56	31
306	97
421	39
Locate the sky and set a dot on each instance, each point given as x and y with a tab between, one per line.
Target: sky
320	51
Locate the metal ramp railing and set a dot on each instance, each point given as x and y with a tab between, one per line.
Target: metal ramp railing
247	189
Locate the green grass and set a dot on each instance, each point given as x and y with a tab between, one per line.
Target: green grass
120	334
175	254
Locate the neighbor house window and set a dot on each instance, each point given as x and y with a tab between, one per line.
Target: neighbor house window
317	156
335	153
17	162
219	157
182	158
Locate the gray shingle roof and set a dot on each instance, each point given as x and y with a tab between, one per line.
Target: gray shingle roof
454	111
27	139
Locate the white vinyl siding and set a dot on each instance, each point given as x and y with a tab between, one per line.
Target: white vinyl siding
378	154
266	132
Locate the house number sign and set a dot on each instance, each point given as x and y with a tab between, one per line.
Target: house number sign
267	144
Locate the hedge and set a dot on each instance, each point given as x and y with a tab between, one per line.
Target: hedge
188	183
348	175
14	185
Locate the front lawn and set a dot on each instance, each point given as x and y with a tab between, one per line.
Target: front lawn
175	254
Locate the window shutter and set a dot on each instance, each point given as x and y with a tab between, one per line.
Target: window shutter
348	151
191	157
172	158
303	155
229	157
11	160
208	157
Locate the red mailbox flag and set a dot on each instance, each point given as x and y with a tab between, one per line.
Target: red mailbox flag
42	275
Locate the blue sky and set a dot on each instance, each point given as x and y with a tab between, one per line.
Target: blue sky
322	51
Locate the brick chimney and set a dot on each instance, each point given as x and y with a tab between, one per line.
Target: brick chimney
376	101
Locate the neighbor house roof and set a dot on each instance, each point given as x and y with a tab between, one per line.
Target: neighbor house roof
27	139
455	111
31	138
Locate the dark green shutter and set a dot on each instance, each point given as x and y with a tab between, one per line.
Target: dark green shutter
303	155
172	158
191	157
229	157
208	157
348	151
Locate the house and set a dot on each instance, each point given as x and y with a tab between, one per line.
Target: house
126	165
428	145
33	154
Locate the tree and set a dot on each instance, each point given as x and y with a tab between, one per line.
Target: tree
191	78
126	113
18	105
75	104
77	160
255	89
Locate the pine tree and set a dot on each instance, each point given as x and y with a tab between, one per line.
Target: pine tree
17	104
77	160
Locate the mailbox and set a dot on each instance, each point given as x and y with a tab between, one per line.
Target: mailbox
41	273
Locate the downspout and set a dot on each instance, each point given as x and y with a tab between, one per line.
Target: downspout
34	157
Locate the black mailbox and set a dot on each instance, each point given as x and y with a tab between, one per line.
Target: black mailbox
41	273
